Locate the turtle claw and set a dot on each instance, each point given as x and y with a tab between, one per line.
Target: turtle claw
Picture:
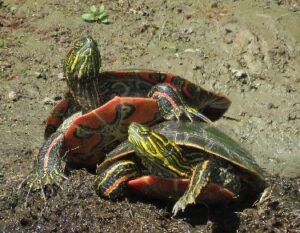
191	112
188	112
36	181
181	204
178	207
47	171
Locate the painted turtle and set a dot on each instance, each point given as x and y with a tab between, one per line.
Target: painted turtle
217	166
89	89
107	103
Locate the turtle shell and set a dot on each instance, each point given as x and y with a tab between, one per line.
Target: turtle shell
204	137
134	83
139	82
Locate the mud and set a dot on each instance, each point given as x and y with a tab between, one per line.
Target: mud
247	50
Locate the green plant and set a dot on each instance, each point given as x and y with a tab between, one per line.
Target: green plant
96	15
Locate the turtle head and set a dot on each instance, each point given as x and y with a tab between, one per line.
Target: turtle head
82	62
160	155
138	134
148	141
172	105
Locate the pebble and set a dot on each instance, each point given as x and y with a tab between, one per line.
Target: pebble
197	67
40	75
228	30
48	101
57	97
240	75
228	40
61	76
272	106
179	10
12	95
294	115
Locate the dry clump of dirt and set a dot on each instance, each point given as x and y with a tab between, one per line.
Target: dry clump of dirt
77	208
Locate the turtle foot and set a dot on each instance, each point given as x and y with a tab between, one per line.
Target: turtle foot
181	204
45	182
192	114
48	167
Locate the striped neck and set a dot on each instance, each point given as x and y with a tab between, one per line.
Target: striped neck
86	94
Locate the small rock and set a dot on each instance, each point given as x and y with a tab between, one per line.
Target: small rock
240	75
228	30
40	75
61	76
294	114
199	66
57	97
188	16
189	31
48	101
179	10
290	89
270	105
228	40
196	67
12	95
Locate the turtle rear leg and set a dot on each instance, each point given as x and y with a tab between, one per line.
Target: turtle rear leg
48	169
111	181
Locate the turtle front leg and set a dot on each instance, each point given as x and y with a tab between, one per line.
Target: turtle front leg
200	179
171	104
47	165
213	179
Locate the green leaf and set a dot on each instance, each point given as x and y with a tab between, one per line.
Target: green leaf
97	14
104	21
102	16
88	17
93	9
101	9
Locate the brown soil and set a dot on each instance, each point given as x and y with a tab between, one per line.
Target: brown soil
248	50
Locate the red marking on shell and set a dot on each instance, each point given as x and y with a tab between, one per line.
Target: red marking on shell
185	89
145	111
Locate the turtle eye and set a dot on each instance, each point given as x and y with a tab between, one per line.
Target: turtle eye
144	131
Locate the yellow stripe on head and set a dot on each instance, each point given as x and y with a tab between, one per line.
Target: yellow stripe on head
75	62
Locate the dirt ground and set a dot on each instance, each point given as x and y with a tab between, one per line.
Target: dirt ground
247	50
